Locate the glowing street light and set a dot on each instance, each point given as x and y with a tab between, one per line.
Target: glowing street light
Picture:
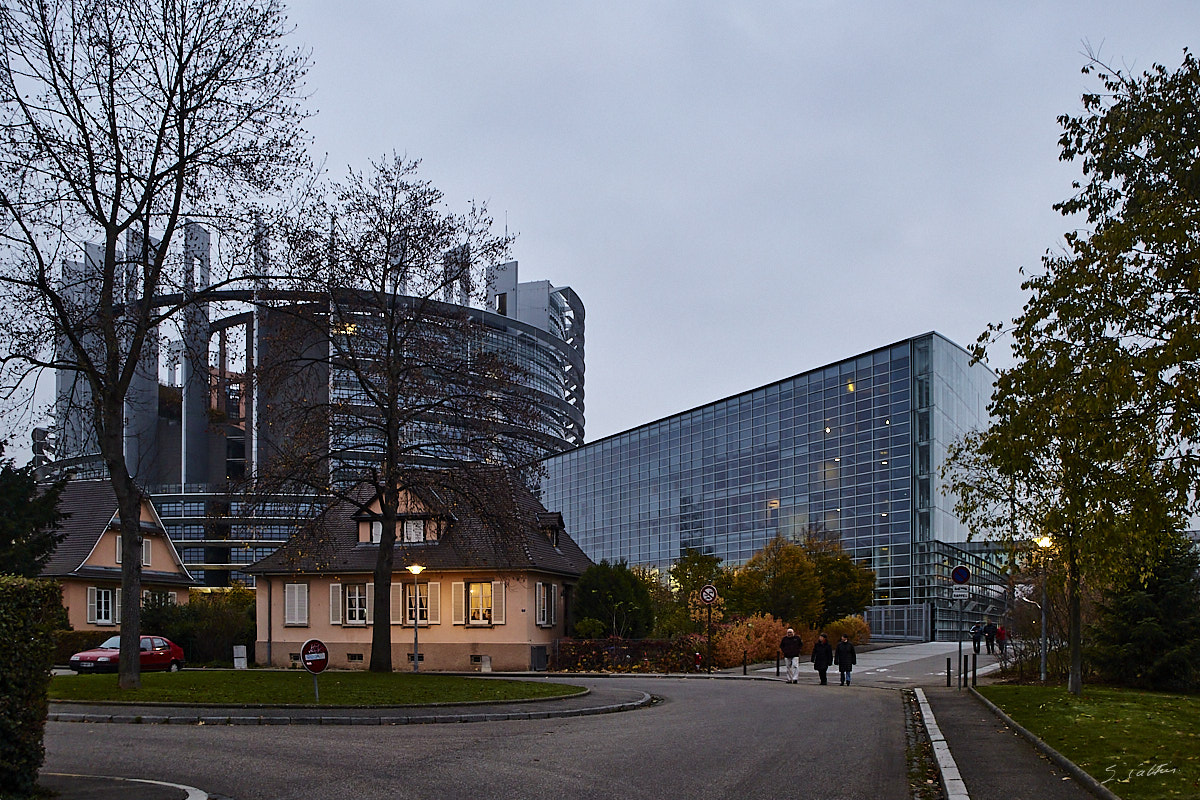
416	569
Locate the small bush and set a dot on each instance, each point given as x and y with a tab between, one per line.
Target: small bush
29	612
758	636
208	626
589	628
854	627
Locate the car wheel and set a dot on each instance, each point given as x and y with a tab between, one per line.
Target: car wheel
175	667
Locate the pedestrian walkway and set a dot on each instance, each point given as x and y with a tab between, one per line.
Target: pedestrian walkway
994	761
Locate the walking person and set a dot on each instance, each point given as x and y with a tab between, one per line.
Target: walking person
846	658
1002	640
790	646
989	636
976	636
822	657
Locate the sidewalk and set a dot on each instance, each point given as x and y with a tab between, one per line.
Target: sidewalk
994	761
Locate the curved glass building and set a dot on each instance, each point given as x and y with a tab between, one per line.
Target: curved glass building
201	423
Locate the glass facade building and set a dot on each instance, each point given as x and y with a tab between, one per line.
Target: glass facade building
851	449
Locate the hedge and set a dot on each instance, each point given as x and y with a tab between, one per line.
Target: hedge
29	612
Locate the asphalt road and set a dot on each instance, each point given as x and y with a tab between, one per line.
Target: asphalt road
708	738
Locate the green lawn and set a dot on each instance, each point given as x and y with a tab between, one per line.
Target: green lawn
1141	745
263	687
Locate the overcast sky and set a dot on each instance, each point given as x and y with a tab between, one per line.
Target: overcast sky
739	192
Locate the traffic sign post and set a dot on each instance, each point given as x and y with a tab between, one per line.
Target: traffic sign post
961	575
708	596
314	655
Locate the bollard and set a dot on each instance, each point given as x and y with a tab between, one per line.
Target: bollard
975	670
744	656
948	672
776	665
962	672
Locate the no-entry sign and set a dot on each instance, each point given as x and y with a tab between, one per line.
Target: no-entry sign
314	655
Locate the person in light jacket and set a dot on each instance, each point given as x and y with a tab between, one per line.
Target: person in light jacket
791	646
822	656
845	658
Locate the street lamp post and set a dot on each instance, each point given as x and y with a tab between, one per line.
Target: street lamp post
1044	544
416	570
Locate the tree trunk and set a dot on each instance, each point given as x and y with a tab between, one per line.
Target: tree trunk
129	509
1074	625
381	627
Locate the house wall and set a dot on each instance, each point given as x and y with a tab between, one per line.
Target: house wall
74	592
442	645
104	556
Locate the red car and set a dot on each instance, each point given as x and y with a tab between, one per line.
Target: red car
157	653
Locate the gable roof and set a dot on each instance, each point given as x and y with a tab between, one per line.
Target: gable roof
89	510
492	522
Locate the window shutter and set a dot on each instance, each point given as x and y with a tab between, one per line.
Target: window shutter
118	548
539	603
91	604
399	606
335	604
116	595
497	602
145	552
295	604
457	601
370	603
435	603
551	604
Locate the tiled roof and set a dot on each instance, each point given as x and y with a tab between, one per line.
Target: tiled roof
88	507
493	522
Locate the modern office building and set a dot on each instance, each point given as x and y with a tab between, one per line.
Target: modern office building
202	423
851	449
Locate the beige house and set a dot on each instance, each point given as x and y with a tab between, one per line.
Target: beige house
493	592
87	562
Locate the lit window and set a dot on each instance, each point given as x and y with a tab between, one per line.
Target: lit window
479	603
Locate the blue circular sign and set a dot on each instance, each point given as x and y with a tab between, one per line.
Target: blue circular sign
960	575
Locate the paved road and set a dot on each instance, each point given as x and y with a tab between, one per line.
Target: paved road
904	666
709	738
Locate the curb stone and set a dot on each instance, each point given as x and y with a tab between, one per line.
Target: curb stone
309	719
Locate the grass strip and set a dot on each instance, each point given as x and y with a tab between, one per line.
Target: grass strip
1140	745
295	687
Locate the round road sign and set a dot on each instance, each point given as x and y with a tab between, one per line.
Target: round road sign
960	575
314	655
708	594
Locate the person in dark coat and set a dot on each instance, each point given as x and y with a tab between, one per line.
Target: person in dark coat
989	636
822	657
791	646
976	636
846	658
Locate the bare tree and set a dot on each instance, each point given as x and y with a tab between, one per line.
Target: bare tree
377	369
119	122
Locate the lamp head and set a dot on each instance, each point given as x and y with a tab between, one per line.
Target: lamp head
415	569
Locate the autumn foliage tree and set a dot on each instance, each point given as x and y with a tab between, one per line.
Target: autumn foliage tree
1093	441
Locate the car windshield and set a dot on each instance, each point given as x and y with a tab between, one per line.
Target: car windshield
112	643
